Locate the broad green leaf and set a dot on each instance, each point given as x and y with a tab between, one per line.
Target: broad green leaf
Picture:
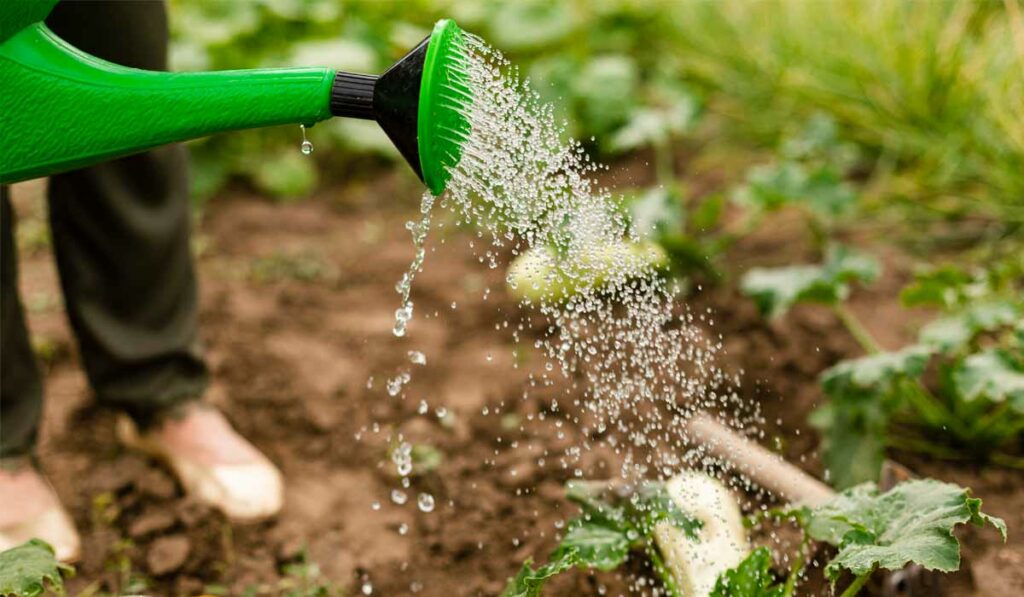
853	430
645	127
946	334
876	371
288	175
775	290
846	265
751	578
595	545
953	332
942	287
30	569
653	504
706	216
670	111
656	212
529	582
529	24
606	91
769	187
912	522
827	193
341	53
992	374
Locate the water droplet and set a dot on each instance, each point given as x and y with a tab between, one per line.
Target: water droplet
417	358
307	146
403	529
375	505
367	588
398	496
425	502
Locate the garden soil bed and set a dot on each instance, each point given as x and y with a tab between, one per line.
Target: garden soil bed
297	311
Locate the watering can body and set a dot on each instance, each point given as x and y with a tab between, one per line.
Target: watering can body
62	109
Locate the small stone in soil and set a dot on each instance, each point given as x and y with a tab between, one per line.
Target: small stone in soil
151	521
168	554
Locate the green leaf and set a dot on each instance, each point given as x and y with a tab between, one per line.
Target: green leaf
876	371
529	25
653	504
853	428
775	290
953	332
769	187
708	214
288	175
529	582
605	89
994	375
827	193
912	522
29	569
596	543
751	578
942	287
671	111
656	212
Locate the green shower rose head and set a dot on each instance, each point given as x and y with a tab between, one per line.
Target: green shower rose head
421	103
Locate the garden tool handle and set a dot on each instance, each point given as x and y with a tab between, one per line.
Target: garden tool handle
765	468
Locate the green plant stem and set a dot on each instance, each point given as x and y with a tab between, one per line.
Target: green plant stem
789	589
857	584
856	329
923	447
664	168
1007	460
663	572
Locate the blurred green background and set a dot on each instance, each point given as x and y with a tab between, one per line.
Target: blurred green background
914	104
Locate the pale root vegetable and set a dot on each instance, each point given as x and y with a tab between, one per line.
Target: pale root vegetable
721	542
537	275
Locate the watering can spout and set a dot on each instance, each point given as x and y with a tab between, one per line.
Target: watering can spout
63	109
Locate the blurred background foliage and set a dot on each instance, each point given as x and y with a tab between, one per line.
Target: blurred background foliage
826	104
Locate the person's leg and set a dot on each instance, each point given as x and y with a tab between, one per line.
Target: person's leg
121	236
30	506
21	397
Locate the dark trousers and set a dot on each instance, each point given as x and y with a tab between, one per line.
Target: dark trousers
121	239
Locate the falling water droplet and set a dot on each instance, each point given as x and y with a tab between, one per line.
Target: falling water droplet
307	145
425	502
398	496
367	588
403	529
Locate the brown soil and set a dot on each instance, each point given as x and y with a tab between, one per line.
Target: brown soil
297	310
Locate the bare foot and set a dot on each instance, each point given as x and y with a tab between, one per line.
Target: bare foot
31	509
212	461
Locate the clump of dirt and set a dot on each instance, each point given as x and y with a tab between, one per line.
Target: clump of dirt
298	307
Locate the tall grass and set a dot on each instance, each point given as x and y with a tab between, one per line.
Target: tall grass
934	88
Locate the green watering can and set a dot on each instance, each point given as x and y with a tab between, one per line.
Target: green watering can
62	109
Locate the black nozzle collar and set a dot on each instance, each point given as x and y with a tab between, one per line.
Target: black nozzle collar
352	95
